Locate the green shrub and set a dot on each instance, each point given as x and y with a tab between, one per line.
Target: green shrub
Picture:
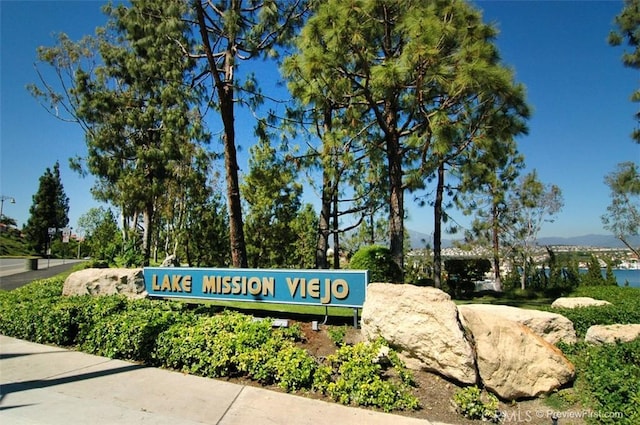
223	345
337	334
294	368
378	261
32	312
625	307
355	375
39	289
471	404
94	309
608	380
130	334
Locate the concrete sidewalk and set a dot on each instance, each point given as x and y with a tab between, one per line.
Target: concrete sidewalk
48	385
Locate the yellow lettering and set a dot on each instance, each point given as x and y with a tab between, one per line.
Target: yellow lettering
166	283
293	285
154	283
226	285
208	285
175	283
254	286
268	286
186	283
340	289
314	288
326	299
235	281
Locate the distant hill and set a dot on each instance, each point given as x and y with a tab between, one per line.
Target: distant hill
601	241
420	240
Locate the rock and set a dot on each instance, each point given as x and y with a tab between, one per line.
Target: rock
422	324
552	327
575	302
610	334
128	282
513	362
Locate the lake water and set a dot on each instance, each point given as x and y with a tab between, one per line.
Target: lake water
625	275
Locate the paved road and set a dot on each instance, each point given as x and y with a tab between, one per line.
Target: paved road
13	272
9	266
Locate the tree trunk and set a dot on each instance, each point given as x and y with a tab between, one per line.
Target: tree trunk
236	230
396	197
323	225
336	231
325	209
523	278
224	88
437	229
496	248
148	231
628	245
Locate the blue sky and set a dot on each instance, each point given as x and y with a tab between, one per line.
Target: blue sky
576	84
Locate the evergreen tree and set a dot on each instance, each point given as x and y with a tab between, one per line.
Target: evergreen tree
304	226
593	277
610	278
486	177
623	214
272	193
528	206
414	71
206	241
628	29
102	238
127	89
231	32
50	209
571	273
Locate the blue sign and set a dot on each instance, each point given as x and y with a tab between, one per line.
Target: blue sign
337	288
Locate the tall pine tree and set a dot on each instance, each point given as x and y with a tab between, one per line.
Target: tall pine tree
140	117
50	209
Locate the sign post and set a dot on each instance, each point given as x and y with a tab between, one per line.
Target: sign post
66	234
51	231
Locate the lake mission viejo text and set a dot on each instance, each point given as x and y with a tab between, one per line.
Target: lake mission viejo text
346	288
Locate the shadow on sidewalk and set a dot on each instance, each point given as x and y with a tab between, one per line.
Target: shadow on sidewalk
15	387
13	355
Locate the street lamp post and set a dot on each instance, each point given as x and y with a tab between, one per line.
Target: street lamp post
3	198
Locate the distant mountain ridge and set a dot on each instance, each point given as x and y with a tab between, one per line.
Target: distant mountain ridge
600	241
420	240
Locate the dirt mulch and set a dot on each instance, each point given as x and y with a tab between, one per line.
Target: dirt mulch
436	393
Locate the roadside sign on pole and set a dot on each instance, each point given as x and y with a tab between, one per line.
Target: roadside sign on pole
66	234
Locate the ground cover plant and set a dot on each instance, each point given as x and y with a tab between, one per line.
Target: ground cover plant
624	308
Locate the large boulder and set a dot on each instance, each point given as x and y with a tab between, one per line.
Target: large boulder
575	302
552	327
422	323
128	282
610	334
514	362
